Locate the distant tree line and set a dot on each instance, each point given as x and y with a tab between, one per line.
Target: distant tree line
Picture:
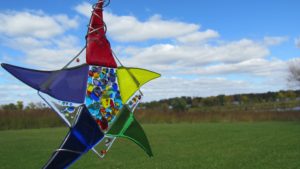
240	107
182	104
33	115
19	106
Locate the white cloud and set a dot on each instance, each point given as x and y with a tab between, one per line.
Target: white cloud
130	29
198	37
84	8
66	22
257	67
67	41
180	57
48	54
270	41
24	43
48	58
35	35
34	24
247	58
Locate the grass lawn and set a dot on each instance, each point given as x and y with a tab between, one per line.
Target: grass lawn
259	145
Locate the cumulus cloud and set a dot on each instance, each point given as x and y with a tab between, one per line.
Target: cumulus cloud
47	54
130	29
244	58
256	67
48	58
174	58
84	8
35	35
34	24
198	37
24	43
270	41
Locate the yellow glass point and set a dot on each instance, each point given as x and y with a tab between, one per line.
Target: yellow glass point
131	79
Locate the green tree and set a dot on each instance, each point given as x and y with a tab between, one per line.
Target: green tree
20	105
280	95
179	105
8	107
209	101
228	100
221	100
244	99
31	106
196	102
164	107
291	94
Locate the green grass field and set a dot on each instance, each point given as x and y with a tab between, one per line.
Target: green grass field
260	145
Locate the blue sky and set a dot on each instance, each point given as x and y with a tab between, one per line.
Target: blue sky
202	48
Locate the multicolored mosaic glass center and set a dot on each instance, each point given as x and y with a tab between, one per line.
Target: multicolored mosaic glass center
103	97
